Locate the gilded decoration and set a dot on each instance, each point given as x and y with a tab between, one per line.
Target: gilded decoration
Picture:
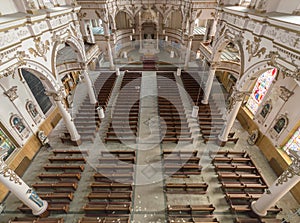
292	171
285	93
11	93
234	98
254	49
8	173
40	48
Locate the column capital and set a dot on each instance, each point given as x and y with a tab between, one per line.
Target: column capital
293	170
235	97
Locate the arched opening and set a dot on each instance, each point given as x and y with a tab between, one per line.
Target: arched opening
260	90
174	20
38	90
149	30
123	20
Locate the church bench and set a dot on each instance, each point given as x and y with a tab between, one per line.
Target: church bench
193	188
122	129
96	186
116	219
210	119
96	209
123	122
193	219
232	167
115	167
57	196
52	207
63	167
247	208
209	114
120	140
231	159
184	167
124	195
126	118
67	159
228	153
177	139
180	152
111	177
66	185
213	123
181	160
60	176
69	151
237	176
121	134
36	220
119	153
178	209
240	185
114	159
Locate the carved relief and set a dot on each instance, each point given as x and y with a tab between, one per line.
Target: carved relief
292	171
11	93
40	48
254	49
285	93
235	97
11	175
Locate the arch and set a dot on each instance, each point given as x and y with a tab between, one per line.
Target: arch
76	46
123	19
177	22
221	43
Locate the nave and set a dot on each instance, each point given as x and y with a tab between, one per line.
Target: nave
149	160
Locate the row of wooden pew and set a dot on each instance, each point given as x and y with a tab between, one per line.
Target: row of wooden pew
124	122
174	124
60	180
210	117
242	183
111	196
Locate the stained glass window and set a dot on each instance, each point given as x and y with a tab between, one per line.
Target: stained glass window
6	143
260	89
294	142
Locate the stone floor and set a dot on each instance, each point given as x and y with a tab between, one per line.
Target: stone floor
149	199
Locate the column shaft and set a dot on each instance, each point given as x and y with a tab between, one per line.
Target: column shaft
22	191
93	99
188	53
279	188
111	59
208	85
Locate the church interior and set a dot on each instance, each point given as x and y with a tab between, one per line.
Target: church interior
150	111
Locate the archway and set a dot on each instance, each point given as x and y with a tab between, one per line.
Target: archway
123	20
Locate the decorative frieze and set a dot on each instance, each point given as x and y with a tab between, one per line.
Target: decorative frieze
285	93
292	171
12	93
41	48
236	97
11	175
254	48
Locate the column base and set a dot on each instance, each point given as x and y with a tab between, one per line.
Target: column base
257	212
42	211
221	142
76	142
205	102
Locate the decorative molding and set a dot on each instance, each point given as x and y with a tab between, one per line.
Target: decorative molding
292	171
40	48
285	93
57	95
274	57
8	173
235	97
254	49
11	93
10	71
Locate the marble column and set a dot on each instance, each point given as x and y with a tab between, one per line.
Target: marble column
21	190
235	102
279	188
91	93
209	83
75	137
188	52
110	55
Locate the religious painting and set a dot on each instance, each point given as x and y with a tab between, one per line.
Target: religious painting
260	89
18	124
6	143
32	109
294	142
266	109
280	124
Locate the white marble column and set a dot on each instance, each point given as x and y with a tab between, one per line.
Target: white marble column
279	188
93	99
235	102
110	55
21	190
75	137
209	83
188	52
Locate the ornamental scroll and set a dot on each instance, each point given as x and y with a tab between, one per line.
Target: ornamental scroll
292	171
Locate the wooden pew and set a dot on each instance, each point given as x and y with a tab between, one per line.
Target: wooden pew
65	185
98	209
110	196
113	177
63	167
193	188
67	159
60	176
57	196
96	186
194	209
35	220
52	207
116	219
69	151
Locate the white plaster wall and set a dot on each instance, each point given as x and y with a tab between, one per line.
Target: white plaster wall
8	7
286	7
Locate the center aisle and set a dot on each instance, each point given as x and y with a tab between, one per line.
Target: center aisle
149	202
